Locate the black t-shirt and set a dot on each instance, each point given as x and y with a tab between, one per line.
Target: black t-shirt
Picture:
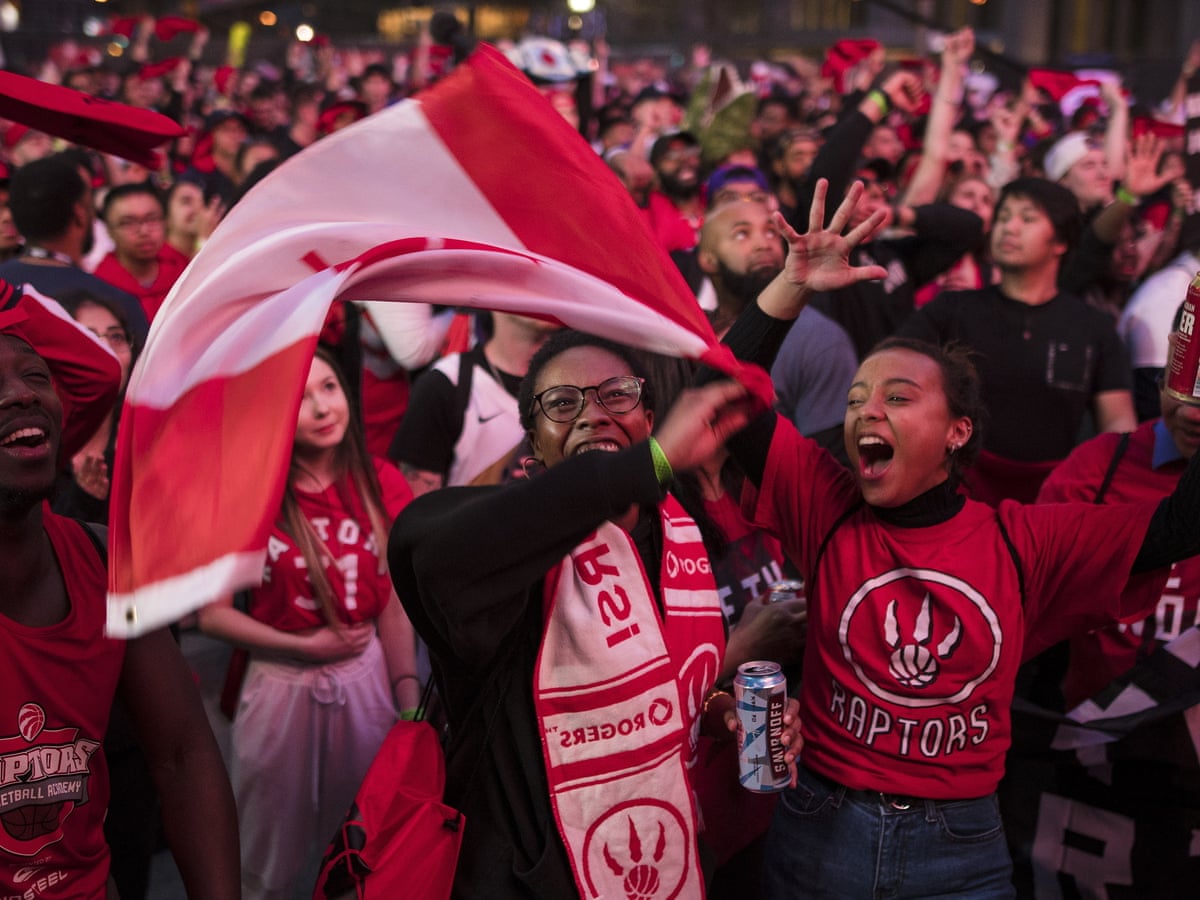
1040	366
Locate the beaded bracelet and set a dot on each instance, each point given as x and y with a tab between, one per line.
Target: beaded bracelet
712	695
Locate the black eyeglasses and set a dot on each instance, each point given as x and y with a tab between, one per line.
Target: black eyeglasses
564	402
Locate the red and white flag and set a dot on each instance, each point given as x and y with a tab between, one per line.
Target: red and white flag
475	194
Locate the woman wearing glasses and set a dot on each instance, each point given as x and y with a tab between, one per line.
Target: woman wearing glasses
575	634
83	492
574	627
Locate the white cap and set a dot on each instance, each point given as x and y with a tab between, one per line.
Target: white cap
1065	153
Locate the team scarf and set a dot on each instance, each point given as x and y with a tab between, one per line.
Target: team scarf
476	194
618	692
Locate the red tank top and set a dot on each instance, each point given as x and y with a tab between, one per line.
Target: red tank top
59	682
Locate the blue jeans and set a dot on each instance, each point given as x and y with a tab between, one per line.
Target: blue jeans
828	841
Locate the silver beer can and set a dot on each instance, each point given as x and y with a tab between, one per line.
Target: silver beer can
760	696
780	591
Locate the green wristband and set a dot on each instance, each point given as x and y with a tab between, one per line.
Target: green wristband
880	99
1124	195
662	466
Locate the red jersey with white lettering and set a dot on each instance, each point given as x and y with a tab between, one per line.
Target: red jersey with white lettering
59	684
286	599
915	634
1099	656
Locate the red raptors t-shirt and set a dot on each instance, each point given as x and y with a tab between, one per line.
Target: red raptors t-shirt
915	634
59	684
1099	656
286	599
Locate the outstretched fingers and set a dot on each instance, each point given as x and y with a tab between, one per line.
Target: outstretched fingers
816	212
845	209
865	230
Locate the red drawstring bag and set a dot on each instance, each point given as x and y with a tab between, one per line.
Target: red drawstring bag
399	839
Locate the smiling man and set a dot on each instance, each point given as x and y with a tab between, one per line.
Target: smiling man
60	672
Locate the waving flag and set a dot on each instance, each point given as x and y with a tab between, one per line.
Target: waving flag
474	194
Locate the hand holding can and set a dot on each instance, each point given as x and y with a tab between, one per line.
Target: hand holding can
760	694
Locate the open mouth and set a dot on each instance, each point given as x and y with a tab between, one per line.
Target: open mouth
25	437
27	443
874	456
607	446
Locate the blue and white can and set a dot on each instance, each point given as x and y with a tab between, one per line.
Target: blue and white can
760	695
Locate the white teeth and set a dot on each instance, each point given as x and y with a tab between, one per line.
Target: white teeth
21	434
599	445
870	439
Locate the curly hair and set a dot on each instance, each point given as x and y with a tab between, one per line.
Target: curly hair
562	341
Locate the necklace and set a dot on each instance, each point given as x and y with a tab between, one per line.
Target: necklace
43	253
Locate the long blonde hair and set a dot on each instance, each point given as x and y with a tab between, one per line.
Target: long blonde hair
350	458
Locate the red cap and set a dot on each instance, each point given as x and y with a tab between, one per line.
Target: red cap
169	26
13	134
843	56
1056	83
223	79
86	375
159	69
1157	127
331	113
125	26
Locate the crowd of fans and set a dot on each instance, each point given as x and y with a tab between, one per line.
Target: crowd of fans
1050	229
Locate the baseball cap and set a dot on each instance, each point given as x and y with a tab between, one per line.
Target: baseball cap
662	146
86	374
726	175
1065	153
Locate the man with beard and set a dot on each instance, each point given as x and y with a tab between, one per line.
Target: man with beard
741	252
51	205
662	218
676	161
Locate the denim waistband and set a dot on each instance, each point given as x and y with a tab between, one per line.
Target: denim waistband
889	801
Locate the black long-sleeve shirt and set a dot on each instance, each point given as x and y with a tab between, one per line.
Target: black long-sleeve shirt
468	563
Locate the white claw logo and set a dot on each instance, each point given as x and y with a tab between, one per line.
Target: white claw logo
912	664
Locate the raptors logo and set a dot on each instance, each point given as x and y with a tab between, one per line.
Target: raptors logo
44	774
920	638
637	850
696	676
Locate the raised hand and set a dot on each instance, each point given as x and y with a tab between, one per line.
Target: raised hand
820	258
701	420
959	47
1142	175
91	474
903	90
